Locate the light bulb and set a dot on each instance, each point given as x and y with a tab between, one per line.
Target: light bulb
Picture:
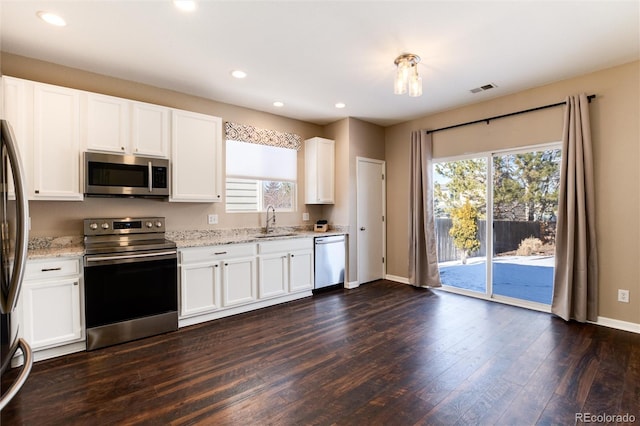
415	83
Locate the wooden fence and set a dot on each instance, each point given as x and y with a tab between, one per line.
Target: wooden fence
507	235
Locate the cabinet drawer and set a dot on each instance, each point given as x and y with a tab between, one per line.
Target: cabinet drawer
43	269
285	246
213	253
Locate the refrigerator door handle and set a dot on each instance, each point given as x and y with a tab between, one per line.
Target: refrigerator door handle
22	217
26	369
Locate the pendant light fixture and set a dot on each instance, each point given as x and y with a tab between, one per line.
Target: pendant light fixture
407	77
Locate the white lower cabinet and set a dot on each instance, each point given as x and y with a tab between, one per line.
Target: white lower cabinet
286	266
301	270
214	277
52	304
273	275
217	281
239	281
200	289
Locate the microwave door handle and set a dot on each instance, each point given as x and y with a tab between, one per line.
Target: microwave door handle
150	176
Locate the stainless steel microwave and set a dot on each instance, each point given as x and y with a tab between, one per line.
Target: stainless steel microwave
125	175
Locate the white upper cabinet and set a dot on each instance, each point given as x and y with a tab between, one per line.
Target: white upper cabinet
319	155
150	129
107	123
56	143
196	153
16	110
122	126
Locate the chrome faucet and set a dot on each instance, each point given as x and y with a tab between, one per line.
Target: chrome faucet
269	220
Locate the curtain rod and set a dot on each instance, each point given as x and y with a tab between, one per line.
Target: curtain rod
487	120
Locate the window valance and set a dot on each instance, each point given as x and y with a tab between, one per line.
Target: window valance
250	134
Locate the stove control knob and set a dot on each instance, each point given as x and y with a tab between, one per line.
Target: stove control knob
158	224
93	226
149	224
105	226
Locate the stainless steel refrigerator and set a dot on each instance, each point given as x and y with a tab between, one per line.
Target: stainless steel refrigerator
14	216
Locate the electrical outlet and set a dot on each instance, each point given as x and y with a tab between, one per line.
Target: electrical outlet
212	219
305	216
623	296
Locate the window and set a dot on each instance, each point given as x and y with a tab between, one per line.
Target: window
259	176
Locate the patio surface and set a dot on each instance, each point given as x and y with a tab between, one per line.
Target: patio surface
522	277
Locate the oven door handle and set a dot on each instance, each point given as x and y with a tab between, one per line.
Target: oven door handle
129	257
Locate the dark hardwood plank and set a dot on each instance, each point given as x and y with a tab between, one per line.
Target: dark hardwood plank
382	354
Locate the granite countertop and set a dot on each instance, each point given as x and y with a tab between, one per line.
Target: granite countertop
70	246
43	247
200	239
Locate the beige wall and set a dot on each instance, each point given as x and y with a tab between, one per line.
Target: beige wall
50	218
615	118
354	138
338	213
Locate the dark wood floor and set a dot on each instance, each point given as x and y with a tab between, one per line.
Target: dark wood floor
384	353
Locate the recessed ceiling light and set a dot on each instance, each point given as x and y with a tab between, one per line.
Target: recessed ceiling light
185	5
51	18
278	104
238	74
341	105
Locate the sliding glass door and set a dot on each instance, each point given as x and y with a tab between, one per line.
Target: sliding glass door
516	193
525	202
460	205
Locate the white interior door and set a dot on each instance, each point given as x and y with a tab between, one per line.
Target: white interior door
370	233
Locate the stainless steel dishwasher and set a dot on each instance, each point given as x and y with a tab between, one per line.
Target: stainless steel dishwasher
329	261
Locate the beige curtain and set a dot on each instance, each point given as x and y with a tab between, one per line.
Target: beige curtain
423	260
575	283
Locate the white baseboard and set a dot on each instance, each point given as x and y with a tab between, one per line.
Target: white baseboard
620	325
351	284
397	279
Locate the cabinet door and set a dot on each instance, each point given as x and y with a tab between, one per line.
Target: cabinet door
273	275
56	143
51	312
196	157
150	130
17	96
200	289
107	123
301	270
319	171
239	281
325	171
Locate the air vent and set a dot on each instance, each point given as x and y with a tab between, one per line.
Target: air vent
483	88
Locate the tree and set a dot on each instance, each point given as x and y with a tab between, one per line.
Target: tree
458	182
464	229
531	180
277	194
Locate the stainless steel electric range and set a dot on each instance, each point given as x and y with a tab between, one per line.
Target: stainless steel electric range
130	280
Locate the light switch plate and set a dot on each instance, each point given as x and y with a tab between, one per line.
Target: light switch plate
212	219
305	216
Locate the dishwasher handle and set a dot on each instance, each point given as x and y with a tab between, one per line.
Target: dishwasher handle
330	240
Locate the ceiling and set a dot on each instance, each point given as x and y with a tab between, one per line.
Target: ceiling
312	54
